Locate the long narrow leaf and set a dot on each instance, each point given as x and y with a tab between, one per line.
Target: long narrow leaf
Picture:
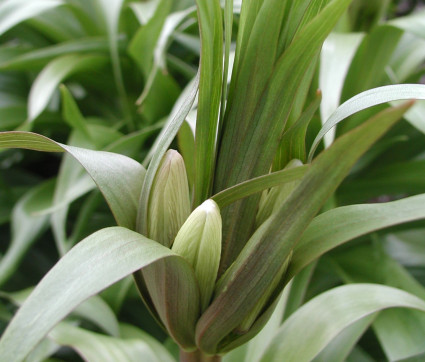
95	263
12	12
258	184
210	85
343	224
369	99
118	177
319	321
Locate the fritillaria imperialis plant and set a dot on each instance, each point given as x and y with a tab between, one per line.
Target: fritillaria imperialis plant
213	238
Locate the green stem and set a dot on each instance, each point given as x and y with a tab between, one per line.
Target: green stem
197	356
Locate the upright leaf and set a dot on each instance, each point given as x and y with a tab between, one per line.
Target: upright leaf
210	85
257	119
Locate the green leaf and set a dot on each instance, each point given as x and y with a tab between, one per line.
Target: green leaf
366	100
34	59
408	341
319	321
170	130
118	177
143	45
335	58
209	97
343	224
26	226
95	347
72	114
53	74
102	258
292	144
12	12
371	60
341	346
369	263
258	184
250	276
128	331
395	179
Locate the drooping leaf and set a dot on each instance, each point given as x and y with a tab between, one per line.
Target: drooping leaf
96	347
26	226
12	12
343	224
118	177
369	263
53	74
319	321
341	346
102	258
366	100
34	59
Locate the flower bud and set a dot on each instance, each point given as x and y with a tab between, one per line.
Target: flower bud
169	202
276	196
199	242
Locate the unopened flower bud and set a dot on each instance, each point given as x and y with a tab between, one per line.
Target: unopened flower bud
199	242
169	202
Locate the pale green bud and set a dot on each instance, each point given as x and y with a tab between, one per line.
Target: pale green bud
273	199
199	242
169	202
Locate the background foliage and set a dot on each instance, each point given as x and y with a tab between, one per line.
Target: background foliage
105	75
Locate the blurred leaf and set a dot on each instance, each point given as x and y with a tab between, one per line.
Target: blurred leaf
337	226
103	258
128	331
26	226
319	321
119	178
12	12
95	347
94	309
397	179
407	247
371	60
337	53
36	58
341	346
401	333
53	74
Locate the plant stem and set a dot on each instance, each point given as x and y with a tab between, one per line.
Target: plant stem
197	356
